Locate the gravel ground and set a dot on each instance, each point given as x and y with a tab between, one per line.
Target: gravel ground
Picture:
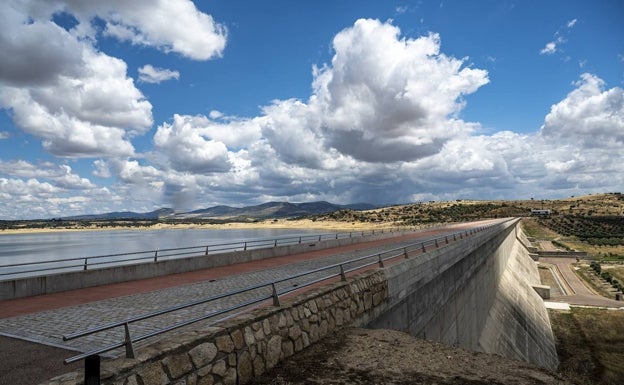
362	356
43	362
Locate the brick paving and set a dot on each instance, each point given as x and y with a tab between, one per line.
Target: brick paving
101	306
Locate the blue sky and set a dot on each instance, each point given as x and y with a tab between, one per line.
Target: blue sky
114	105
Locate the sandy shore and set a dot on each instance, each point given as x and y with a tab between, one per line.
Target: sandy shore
306	224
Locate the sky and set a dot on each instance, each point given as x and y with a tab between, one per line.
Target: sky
115	105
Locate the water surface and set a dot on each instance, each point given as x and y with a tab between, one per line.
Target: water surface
38	247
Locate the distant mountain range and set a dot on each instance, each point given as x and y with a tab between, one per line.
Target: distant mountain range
258	212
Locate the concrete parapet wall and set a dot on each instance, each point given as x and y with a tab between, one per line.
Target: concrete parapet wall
476	294
237	350
54	283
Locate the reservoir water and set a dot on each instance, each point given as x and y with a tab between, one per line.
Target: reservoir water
39	247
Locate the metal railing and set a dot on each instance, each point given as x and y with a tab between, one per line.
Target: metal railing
30	269
272	293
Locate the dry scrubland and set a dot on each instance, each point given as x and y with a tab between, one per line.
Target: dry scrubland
590	345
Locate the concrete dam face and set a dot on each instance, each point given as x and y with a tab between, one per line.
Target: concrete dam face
476	294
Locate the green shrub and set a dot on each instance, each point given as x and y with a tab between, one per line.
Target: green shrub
595	265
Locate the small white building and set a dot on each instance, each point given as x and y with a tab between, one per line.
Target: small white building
540	212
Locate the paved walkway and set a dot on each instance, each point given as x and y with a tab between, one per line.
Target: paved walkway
45	319
578	292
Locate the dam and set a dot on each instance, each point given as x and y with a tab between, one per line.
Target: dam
476	291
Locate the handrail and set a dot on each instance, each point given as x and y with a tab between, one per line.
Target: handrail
379	258
152	256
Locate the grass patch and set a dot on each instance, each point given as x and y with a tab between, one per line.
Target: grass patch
617	272
533	229
590	345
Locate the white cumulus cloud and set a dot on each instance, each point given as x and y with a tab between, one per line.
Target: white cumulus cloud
383	98
151	74
590	116
190	148
390	98
80	102
171	25
549	49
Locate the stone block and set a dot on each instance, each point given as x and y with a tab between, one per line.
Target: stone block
206	380
153	374
288	348
244	367
178	365
314	333
203	354
311	305
224	343
294	332
249	336
230	377
258	366
238	339
274	349
219	368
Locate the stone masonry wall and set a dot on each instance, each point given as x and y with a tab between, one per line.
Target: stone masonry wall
235	351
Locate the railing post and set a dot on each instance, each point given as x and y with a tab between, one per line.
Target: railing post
405	252
436	242
245	247
380	261
85	264
275	245
156	256
336	235
422	246
343	277
276	301
320	237
206	250
299	240
129	346
446	239
92	370
454	237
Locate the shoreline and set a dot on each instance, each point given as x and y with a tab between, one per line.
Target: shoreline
303	224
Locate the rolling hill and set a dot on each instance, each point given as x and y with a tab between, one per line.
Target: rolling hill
257	212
